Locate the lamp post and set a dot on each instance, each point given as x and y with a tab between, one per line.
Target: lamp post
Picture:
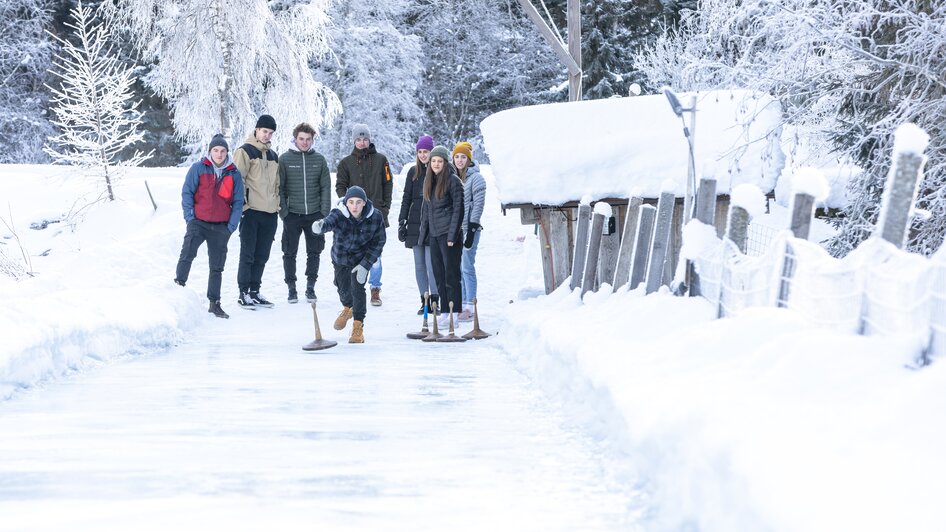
688	132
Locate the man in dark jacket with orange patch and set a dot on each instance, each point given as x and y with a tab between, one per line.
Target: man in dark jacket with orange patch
212	200
368	169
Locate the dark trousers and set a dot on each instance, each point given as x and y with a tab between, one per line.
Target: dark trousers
216	235
446	264
257	232
350	292
293	226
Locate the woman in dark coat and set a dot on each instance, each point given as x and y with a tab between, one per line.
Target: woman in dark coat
440	222
409	222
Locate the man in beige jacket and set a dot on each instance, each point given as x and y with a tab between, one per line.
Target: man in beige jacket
259	166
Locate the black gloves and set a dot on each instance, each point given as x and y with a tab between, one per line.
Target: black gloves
402	231
471	229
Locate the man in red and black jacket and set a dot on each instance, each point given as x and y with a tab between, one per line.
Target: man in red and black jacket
212	198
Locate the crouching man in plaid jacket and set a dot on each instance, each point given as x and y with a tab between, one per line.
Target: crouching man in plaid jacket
357	244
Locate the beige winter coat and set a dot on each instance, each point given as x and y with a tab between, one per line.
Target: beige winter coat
260	177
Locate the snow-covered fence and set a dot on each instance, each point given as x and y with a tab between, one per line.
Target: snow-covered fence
877	289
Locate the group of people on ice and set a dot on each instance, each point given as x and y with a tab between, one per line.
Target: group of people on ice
439	219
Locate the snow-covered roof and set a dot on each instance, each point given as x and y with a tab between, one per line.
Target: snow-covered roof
556	153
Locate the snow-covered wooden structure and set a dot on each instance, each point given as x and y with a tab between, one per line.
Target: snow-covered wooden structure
547	158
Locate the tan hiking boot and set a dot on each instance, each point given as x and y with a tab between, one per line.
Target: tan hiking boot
357	333
342	320
375	297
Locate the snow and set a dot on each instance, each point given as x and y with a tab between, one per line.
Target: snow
909	138
803	149
125	405
698	239
613	147
811	181
603	208
750	198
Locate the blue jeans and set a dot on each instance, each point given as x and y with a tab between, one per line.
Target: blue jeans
468	271
374	275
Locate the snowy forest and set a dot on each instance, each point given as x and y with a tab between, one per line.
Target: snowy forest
846	72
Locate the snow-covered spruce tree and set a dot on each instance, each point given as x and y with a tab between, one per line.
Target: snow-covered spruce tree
25	54
376	69
481	56
847	75
222	63
611	31
92	104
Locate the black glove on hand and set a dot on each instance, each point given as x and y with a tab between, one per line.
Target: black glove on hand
402	231
470	233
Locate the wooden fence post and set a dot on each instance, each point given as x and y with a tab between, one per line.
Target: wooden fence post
581	245
658	253
590	276
899	198
622	272
610	245
802	207
553	239
645	233
739	227
705	213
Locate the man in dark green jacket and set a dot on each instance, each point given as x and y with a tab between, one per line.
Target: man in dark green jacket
305	188
368	169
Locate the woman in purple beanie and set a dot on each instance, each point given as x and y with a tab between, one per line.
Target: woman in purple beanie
409	222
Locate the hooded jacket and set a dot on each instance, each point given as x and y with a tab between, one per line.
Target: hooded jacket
443	216
412	202
260	176
369	170
305	184
211	196
357	240
474	196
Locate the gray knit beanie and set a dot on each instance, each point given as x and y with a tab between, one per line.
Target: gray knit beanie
360	130
442	152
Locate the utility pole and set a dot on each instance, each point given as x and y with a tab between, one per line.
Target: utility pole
574	49
570	56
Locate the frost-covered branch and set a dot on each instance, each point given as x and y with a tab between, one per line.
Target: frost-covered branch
847	74
222	63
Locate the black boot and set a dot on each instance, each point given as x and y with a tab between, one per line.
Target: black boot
293	296
423	306
310	291
217	311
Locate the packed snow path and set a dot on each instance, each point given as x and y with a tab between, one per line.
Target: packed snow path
406	437
239	429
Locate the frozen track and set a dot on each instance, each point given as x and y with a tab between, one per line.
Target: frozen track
410	436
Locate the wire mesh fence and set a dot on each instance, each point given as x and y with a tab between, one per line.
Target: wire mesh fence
877	289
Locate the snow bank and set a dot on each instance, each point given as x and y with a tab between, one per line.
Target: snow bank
762	422
103	287
608	148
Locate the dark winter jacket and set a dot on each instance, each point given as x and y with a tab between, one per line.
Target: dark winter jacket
356	241
442	216
209	199
305	183
369	170
258	166
411	203
474	196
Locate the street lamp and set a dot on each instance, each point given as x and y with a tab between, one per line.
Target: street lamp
679	109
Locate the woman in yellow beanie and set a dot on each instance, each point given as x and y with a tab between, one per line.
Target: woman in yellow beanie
474	199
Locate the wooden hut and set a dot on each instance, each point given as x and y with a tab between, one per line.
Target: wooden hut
546	159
